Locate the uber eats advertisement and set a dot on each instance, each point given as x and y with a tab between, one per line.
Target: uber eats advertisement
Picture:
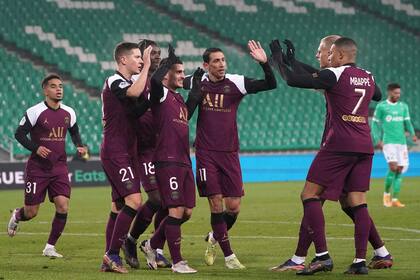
90	173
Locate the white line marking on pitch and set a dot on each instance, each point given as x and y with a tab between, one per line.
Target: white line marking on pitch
201	236
332	224
255	222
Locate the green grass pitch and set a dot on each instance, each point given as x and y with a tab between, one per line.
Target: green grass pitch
264	235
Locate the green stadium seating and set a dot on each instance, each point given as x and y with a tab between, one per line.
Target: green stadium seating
23	90
406	12
383	48
283	119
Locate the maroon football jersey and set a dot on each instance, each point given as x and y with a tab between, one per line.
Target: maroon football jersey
170	117
119	136
348	108
146	136
49	129
216	124
145	130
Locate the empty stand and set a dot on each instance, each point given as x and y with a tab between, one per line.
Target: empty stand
79	37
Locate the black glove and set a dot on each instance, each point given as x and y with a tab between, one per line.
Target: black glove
276	51
171	52
196	80
195	95
290	52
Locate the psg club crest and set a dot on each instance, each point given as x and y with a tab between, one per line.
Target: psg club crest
226	89
153	180
128	185
66	120
175	195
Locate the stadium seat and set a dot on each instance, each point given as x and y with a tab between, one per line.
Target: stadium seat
282	119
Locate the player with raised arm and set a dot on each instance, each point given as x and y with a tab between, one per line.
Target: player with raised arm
146	141
121	107
393	118
219	176
344	161
171	160
46	169
382	258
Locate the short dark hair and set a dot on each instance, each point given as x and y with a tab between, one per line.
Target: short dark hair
165	60
48	78
345	42
123	48
144	43
393	86
208	52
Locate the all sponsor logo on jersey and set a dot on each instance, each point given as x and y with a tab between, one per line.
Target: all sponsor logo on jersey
217	101
183	116
56	134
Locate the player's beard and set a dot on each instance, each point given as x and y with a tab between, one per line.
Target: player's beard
154	65
57	99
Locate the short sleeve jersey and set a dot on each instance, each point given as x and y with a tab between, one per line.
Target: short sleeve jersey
392	117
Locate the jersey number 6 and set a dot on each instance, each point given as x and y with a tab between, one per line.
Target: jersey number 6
173	184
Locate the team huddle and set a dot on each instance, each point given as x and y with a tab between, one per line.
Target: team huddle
146	143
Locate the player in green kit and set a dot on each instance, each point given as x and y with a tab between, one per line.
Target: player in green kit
393	119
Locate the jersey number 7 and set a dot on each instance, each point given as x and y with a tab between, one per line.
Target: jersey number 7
363	92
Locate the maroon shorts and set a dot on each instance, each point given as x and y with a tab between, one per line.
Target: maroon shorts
147	172
218	173
340	173
122	173
36	188
176	185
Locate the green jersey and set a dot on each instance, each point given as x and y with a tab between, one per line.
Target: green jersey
394	119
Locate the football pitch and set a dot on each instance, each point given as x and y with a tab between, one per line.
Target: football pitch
264	235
